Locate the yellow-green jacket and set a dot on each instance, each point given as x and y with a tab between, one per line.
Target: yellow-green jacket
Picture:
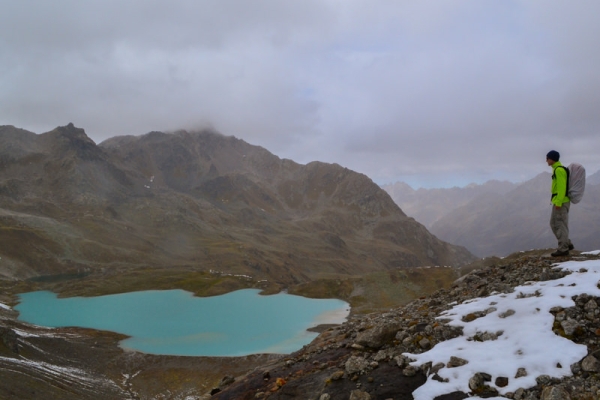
559	184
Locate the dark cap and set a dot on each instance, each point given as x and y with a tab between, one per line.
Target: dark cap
553	155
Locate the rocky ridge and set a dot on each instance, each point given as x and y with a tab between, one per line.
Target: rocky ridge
364	358
196	200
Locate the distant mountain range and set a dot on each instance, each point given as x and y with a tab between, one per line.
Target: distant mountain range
429	205
499	218
200	199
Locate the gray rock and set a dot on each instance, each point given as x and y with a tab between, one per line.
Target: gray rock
425	344
554	393
437	367
378	335
401	335
382	355
591	305
477	384
359	395
519	394
356	364
590	364
520	373
426	368
569	326
456	362
485	336
501	381
543	380
401	361
507	313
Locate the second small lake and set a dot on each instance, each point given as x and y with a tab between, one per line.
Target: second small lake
175	322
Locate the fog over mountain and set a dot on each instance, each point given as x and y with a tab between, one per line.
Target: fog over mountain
435	94
499	218
593	179
429	205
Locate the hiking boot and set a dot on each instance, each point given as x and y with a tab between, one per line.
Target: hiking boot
571	247
559	253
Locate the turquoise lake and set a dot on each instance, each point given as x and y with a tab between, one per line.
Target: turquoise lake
175	322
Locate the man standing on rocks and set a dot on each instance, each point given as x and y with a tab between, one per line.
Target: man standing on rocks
559	219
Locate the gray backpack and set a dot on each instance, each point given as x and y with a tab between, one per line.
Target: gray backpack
575	182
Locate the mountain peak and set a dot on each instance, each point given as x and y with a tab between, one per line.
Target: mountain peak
72	132
69	139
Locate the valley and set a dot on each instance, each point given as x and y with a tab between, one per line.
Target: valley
197	211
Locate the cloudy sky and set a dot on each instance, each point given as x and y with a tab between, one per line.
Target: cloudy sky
433	93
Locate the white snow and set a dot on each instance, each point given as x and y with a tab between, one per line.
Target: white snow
44	331
5	306
593	253
526	338
65	374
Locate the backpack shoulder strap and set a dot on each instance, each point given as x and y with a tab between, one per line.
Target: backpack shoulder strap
563	167
568	172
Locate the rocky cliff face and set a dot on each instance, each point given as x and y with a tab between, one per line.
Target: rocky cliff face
195	198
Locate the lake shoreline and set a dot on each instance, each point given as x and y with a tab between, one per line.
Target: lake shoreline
175	322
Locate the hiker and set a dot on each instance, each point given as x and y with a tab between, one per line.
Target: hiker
559	219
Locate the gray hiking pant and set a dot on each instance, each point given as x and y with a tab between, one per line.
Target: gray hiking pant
559	222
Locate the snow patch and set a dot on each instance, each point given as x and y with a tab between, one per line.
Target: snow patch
593	253
520	324
50	371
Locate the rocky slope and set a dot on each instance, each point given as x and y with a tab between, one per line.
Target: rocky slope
196	199
363	359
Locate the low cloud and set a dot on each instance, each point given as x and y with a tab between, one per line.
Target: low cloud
430	93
